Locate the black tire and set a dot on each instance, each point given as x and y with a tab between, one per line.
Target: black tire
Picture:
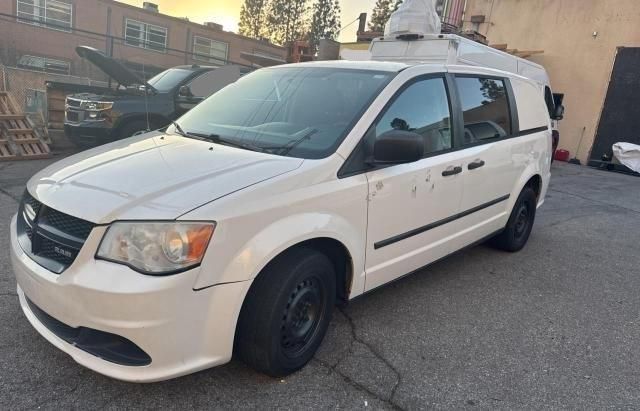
132	128
286	312
516	233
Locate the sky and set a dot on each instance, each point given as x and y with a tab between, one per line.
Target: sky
227	12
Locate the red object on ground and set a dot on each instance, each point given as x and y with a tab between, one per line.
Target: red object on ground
562	155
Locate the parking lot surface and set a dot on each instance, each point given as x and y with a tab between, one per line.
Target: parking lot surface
555	325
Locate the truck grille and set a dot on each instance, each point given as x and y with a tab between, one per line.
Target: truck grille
51	238
71	102
73	116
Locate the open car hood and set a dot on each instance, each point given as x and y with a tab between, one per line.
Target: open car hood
110	66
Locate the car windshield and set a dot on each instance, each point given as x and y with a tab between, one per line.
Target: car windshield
300	112
168	79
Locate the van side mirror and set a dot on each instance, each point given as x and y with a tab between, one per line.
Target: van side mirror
398	147
559	112
185	91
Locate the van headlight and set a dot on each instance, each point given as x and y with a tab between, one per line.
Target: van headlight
156	248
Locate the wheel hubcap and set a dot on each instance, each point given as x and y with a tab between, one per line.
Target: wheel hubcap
522	221
301	317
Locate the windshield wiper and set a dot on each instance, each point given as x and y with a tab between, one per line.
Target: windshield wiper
286	149
218	139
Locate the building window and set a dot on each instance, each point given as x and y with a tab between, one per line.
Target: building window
208	50
44	64
53	14
146	36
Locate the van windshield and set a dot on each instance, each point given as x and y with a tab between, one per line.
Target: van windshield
302	112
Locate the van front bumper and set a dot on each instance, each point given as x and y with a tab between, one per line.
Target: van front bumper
95	306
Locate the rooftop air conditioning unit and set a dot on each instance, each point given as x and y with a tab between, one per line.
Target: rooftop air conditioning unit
147	5
213	26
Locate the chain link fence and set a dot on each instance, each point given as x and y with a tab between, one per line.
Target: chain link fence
29	89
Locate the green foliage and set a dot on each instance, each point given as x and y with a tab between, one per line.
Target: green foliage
380	14
252	18
286	20
325	22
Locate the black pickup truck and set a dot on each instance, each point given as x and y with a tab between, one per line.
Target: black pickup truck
135	106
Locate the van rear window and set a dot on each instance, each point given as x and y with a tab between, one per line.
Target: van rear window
485	108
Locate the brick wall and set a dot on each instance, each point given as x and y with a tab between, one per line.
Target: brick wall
107	18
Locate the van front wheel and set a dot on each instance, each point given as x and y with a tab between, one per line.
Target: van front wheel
516	233
286	312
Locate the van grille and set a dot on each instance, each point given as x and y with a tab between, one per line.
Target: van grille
50	237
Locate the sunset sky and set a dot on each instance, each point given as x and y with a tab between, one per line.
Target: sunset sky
227	12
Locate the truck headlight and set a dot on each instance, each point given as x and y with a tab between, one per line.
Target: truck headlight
156	248
97	105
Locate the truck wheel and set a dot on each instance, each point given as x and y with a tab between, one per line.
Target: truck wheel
286	312
132	128
516	233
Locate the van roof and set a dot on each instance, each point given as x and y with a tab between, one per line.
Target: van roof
453	49
392	66
349	64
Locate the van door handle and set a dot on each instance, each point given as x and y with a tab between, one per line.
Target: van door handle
475	164
451	170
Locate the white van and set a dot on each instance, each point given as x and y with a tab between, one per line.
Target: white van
237	229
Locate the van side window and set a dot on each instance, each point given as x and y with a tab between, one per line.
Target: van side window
485	109
422	108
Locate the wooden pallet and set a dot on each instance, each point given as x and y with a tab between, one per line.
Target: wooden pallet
19	137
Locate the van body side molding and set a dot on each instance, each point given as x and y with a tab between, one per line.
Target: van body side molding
436	224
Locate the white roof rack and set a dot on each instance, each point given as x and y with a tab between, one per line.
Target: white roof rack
452	49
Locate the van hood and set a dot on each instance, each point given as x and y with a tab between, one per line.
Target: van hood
153	176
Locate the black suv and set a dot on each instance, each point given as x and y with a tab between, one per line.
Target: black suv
135	106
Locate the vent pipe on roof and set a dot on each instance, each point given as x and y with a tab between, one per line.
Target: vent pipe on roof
362	24
147	5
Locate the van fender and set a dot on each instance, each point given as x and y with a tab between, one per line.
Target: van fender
532	169
282	234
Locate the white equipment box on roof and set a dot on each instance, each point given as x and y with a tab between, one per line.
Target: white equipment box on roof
452	49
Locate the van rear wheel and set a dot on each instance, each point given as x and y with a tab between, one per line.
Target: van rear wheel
518	228
286	312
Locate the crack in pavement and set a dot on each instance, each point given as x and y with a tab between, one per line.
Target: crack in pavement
355	384
8	294
8	194
594	201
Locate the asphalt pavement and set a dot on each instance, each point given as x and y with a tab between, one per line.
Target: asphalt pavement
556	325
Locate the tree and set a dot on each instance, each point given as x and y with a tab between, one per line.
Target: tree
380	14
325	22
286	20
397	4
252	18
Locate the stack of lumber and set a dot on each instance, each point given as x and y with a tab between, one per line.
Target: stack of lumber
19	137
518	53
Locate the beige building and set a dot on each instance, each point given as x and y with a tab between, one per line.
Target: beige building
580	39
